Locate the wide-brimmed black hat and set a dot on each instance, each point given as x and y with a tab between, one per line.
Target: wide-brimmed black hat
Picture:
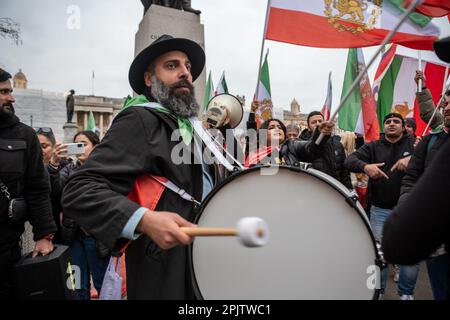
164	44
442	49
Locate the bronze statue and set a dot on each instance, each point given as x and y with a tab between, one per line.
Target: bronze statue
70	106
176	4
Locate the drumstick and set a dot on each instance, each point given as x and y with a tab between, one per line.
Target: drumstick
209	232
252	232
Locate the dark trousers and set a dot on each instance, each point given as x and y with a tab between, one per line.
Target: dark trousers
7	260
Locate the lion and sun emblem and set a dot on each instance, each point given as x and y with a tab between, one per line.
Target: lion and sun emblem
348	15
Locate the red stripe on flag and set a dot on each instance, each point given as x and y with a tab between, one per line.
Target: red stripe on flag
431	71
386	60
306	29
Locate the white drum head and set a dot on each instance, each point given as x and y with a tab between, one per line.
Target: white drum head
319	247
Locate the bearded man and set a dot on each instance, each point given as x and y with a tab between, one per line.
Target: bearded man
141	143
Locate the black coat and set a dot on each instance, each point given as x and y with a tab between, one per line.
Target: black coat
421	159
138	142
419	225
384	193
332	162
23	172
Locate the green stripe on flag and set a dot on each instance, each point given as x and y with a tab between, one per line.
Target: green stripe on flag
349	113
265	78
386	93
415	17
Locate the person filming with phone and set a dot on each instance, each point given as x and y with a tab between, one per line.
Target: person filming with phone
86	252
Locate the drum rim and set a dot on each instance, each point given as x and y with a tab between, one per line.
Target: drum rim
197	292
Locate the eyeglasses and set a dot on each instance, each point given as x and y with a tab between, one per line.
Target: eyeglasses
44	130
396	121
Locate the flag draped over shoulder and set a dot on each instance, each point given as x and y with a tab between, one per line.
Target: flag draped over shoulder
91	122
343	24
264	95
222	85
209	92
326	109
358	114
397	89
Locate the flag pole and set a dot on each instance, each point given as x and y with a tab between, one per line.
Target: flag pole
419	84
93	76
404	16
262	50
444	89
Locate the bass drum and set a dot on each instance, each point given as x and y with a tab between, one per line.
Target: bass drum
320	244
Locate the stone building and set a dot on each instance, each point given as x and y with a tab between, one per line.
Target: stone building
295	116
103	109
40	108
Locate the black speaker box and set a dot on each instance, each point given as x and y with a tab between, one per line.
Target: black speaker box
44	277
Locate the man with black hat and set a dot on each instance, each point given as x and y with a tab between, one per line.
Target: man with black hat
143	141
22	176
420	223
385	161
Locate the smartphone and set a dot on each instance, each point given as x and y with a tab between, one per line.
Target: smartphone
75	148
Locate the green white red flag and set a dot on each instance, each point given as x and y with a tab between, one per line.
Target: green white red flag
333	24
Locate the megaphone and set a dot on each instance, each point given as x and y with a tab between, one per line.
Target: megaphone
224	109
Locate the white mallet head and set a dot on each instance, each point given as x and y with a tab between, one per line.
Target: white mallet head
253	232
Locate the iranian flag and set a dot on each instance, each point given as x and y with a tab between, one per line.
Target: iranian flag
326	109
397	91
209	92
358	114
343	24
432	8
222	85
264	96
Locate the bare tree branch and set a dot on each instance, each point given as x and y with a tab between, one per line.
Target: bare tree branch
10	29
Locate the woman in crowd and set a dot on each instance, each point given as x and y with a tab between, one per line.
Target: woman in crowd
88	254
270	144
53	156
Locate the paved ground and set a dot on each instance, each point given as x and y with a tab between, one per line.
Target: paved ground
423	288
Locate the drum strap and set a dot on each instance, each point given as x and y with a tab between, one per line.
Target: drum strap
206	138
148	189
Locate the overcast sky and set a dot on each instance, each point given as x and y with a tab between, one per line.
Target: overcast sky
57	58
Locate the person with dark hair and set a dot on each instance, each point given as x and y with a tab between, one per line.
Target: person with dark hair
140	144
420	223
438	264
385	162
332	161
86	252
410	126
22	176
273	146
54	161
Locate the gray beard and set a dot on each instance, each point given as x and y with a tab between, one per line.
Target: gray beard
183	105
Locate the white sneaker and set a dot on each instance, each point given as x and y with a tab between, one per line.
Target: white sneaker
406	297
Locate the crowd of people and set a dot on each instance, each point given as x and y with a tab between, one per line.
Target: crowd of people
91	202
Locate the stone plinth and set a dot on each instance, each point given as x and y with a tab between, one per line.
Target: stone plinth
160	20
70	130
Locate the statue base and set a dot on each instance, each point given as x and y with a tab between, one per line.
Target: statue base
159	20
70	130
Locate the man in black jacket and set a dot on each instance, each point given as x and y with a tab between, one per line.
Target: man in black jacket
332	162
438	265
143	140
421	222
385	161
23	174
